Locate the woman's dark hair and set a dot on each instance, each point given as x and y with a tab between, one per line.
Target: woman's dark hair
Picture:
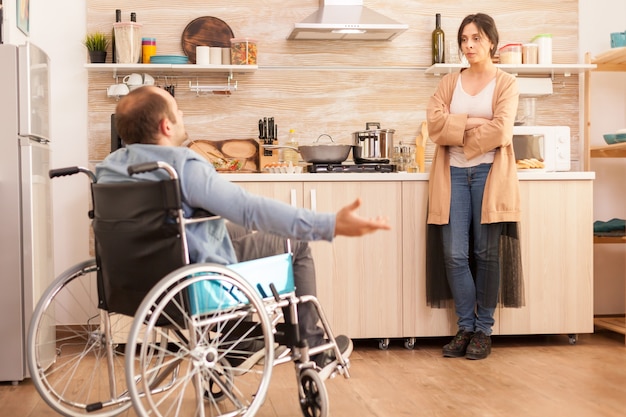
486	25
139	114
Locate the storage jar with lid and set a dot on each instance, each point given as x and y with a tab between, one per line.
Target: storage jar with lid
511	53
544	43
529	53
127	42
243	51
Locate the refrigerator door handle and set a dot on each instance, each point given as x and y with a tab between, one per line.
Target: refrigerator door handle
37	138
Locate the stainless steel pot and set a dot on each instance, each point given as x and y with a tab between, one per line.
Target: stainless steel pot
373	145
319	153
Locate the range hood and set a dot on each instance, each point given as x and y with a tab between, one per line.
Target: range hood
346	20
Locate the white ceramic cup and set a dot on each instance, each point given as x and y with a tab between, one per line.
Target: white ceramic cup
203	55
148	79
117	90
216	55
133	79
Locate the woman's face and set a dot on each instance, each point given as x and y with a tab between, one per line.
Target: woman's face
475	45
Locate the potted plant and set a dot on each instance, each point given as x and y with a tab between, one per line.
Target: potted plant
97	44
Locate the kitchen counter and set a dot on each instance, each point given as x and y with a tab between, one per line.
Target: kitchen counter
395	176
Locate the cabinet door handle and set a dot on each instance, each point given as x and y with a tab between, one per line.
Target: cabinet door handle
294	198
313	200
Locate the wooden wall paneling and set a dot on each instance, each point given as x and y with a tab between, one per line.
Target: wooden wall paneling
295	85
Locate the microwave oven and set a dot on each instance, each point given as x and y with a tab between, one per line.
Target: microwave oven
550	144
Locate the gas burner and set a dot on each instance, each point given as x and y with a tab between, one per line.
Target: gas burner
370	167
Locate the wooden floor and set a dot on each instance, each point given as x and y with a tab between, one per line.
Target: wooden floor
524	376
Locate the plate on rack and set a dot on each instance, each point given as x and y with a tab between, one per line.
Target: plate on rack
205	31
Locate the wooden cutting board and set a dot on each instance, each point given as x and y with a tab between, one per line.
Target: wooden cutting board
205	31
246	150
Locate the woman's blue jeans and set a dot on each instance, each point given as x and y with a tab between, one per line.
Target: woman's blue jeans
468	185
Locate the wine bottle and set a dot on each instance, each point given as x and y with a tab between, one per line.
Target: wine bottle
118	19
439	42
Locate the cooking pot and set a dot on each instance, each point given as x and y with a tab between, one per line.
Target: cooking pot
319	153
373	145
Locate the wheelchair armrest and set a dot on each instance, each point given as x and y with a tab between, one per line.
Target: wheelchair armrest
201	215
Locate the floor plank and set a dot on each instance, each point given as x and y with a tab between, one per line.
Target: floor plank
524	376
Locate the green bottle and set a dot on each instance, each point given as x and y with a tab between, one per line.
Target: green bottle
439	41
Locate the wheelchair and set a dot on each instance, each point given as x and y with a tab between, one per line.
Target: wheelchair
140	329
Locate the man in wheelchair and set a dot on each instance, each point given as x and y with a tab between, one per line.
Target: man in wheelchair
151	126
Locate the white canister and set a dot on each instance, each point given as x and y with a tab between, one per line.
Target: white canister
530	53
544	45
226	56
216	55
203	55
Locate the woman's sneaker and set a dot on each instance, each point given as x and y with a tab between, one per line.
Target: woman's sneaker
327	362
457	346
479	347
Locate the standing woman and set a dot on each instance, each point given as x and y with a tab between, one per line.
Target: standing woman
473	251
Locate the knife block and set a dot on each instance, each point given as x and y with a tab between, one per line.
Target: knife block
267	156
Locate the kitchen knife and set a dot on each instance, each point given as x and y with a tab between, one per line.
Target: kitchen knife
261	136
270	129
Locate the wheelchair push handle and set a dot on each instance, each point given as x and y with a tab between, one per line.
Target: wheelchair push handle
151	166
62	172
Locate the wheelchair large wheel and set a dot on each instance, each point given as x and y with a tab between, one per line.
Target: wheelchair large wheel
76	367
220	346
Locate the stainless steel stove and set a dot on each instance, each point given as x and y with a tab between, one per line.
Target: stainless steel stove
370	167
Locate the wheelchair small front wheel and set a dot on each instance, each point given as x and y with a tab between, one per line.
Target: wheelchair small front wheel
313	394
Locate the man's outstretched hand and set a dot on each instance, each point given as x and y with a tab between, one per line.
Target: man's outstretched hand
349	223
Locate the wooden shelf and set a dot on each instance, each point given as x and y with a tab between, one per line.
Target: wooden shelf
170	68
525	69
617	150
611	60
614	324
609	239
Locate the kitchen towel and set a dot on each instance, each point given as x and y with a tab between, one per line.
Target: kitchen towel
614	227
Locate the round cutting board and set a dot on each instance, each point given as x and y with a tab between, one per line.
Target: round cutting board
205	31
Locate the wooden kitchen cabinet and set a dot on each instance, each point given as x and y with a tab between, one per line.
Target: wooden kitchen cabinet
612	60
419	318
359	279
374	286
287	192
557	218
557	265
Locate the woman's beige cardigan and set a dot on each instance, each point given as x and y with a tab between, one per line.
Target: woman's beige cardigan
501	201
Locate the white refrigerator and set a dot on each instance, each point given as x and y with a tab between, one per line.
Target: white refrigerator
26	247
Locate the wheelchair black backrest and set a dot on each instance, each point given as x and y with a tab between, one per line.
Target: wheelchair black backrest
137	239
